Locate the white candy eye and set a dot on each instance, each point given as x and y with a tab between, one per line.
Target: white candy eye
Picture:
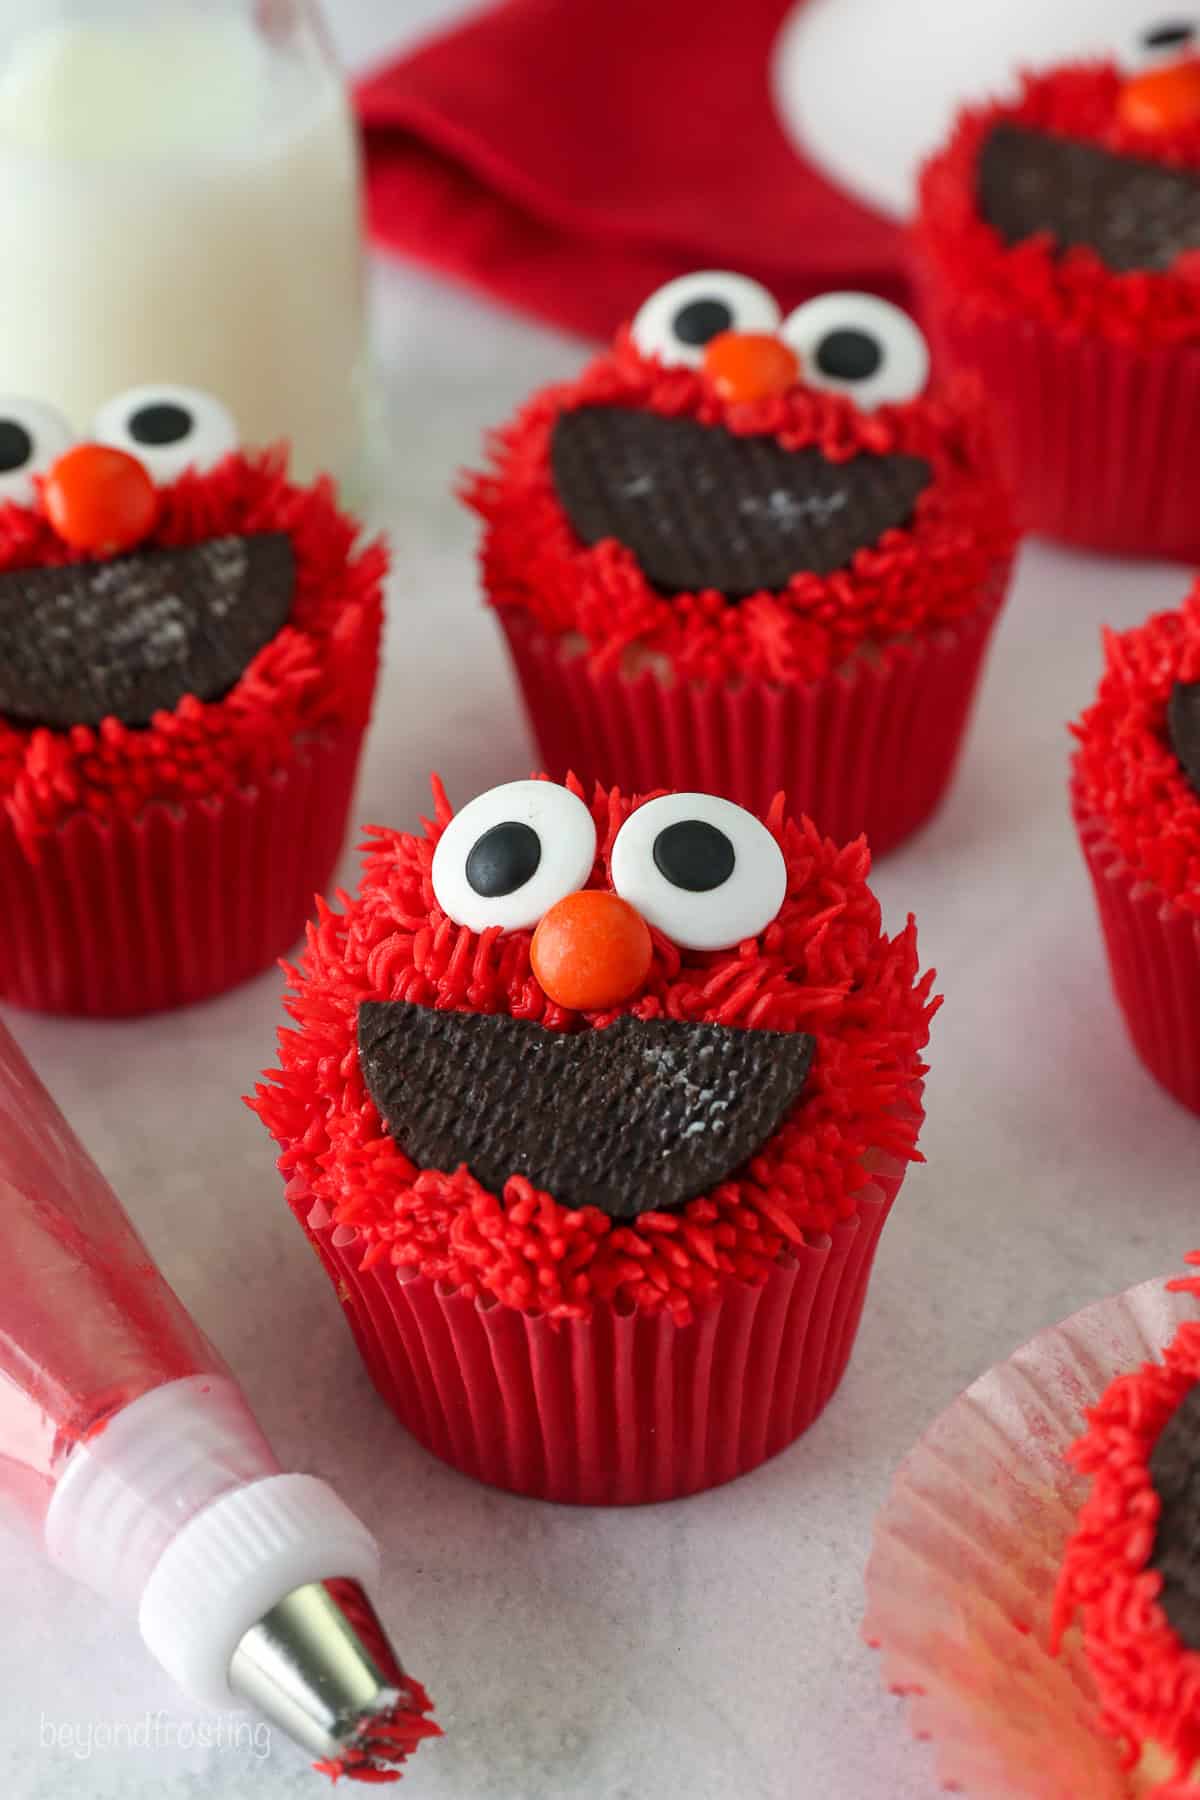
511	853
676	323
703	871
1164	39
32	436
859	345
169	429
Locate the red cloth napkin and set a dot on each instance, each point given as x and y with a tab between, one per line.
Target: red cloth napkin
568	156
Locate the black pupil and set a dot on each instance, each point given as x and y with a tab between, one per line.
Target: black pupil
1168	37
701	320
694	855
503	859
16	446
848	354
160	423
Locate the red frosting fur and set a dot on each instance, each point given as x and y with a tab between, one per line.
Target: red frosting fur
1147	1678
386	1742
1127	775
944	567
823	966
1075	291
317	672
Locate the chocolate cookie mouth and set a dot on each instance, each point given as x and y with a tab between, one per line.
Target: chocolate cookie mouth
638	1117
1183	728
1135	214
128	638
703	508
1175	1474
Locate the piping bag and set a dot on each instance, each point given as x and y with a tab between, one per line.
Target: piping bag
130	1448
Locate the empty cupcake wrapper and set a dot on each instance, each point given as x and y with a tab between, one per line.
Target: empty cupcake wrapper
966	1556
623	1408
1154	955
869	749
133	915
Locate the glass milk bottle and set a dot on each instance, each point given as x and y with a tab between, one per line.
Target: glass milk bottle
179	201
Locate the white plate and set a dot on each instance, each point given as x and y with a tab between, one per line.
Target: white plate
867	88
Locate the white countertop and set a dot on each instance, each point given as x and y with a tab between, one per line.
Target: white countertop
707	1649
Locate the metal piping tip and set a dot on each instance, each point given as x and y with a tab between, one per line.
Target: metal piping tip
312	1665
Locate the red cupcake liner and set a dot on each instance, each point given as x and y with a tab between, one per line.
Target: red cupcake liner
1154	954
132	915
868	749
1099	440
623	1408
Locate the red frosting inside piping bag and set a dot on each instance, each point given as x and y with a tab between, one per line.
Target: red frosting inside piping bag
930	573
316	673
823	966
88	1324
1074	290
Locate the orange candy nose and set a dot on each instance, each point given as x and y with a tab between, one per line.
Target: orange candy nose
591	951
750	365
1162	100
99	499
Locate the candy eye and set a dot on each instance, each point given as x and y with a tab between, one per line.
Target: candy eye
169	429
32	436
1167	37
511	853
701	870
860	345
677	322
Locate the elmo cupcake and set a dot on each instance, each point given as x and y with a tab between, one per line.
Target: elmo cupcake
748	554
188	650
1033	1592
1131	1572
1057	240
594	1114
1135	793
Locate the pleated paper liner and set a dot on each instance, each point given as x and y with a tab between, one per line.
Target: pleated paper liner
966	1556
1099	440
625	1408
135	915
1154	956
868	749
